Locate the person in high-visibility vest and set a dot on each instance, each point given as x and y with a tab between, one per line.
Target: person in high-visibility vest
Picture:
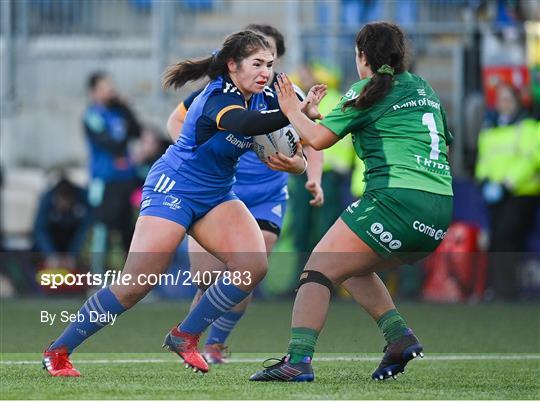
508	169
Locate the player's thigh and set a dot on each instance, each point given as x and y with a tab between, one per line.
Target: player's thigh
152	248
341	254
200	260
154	239
270	239
231	234
269	216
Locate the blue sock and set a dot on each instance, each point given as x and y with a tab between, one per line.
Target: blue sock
100	303
222	327
216	301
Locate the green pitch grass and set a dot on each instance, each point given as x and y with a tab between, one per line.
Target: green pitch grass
472	352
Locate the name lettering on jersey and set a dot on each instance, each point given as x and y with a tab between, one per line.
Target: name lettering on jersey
432	165
238	143
351	94
230	88
418	103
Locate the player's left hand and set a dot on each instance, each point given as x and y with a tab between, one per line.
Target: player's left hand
288	100
295	164
317	192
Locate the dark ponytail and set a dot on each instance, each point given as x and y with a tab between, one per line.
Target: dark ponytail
383	45
237	47
177	75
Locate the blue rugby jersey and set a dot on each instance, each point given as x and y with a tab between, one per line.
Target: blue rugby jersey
205	153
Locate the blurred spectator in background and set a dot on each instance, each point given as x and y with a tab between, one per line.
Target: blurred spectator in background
148	149
339	160
109	125
312	223
304	232
62	222
1	211
151	145
508	169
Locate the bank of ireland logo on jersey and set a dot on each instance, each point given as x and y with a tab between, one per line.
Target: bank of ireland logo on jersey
172	202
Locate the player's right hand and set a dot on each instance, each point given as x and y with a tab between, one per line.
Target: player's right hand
317	192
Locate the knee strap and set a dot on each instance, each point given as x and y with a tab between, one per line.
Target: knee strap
317	277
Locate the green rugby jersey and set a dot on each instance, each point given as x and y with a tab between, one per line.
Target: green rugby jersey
402	138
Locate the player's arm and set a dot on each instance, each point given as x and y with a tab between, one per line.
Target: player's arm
176	121
318	136
447	133
228	111
313	134
296	164
252	122
314	175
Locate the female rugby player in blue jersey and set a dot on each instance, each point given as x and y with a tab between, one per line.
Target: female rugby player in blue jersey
263	190
189	188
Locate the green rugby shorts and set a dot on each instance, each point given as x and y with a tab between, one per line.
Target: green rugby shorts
398	222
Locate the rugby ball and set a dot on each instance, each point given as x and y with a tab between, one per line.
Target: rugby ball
284	140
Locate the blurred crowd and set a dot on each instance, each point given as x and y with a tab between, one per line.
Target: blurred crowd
491	256
73	222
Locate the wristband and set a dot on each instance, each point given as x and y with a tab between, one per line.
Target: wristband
305	167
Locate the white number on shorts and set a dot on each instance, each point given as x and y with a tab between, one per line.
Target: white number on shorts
429	121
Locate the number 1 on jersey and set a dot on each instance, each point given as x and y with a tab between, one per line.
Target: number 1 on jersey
429	121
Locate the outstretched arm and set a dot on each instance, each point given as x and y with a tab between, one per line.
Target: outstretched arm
313	134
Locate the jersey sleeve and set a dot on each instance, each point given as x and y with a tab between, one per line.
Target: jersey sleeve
221	102
271	99
182	110
341	121
189	100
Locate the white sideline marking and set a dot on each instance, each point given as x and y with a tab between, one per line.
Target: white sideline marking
317	359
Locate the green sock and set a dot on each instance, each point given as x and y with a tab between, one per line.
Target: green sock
302	344
392	325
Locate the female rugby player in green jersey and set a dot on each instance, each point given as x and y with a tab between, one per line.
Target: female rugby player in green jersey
398	127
